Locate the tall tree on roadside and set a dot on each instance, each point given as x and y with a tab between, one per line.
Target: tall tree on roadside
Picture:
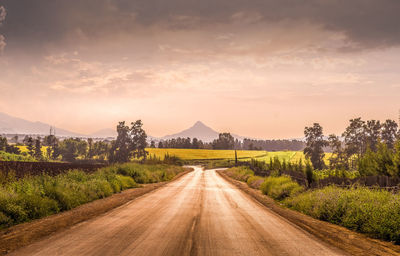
389	133
373	134
120	152
139	140
394	170
130	142
314	145
355	138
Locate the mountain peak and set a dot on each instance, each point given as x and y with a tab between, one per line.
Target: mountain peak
199	124
198	130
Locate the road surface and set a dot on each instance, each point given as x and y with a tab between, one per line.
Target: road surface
198	214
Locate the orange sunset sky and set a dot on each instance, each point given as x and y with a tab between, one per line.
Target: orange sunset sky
261	69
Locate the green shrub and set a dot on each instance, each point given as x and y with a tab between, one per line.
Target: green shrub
255	181
4	156
361	209
5	221
280	187
241	173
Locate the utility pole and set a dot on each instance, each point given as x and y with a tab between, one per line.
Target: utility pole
236	160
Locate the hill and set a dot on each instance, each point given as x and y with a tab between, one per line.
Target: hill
15	125
198	130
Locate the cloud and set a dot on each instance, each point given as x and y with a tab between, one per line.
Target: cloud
3	14
2	43
364	23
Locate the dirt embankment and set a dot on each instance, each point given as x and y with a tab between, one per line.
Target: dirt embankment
340	237
27	233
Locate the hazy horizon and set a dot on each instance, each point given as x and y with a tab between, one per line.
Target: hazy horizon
261	69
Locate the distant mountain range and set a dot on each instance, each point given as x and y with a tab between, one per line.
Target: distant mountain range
14	125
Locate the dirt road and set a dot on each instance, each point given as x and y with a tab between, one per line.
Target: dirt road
199	214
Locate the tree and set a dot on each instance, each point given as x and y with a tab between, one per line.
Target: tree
195	143
139	140
101	149
30	145
309	174
384	159
130	142
3	143
394	170
367	164
90	152
355	138
25	140
160	144
13	149
373	134
71	148
152	144
51	142
224	141
389	133
120	147
338	160
314	145
38	149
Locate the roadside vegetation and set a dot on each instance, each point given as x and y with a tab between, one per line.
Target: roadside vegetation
4	156
375	212
42	195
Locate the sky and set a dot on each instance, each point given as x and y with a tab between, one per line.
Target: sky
258	68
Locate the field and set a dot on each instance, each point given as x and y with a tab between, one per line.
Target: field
25	149
243	155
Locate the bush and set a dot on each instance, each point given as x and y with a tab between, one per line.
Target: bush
255	181
4	156
280	187
361	209
241	173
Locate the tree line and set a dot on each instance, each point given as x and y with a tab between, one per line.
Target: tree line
273	145
130	143
224	141
227	141
370	147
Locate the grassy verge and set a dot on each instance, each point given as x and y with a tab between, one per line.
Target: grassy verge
39	196
373	212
